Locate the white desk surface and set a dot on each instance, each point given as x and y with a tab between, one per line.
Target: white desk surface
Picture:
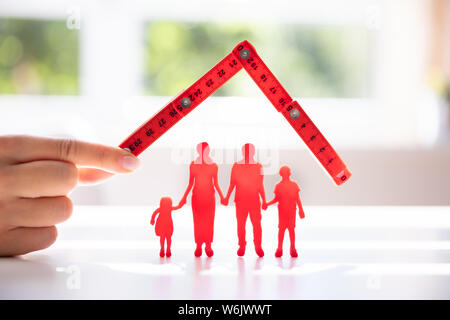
345	252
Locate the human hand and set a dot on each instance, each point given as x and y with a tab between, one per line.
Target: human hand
264	206
36	174
152	222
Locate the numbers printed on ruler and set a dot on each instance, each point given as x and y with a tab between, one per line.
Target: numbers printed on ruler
243	56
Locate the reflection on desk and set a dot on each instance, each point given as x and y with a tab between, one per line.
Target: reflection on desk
344	252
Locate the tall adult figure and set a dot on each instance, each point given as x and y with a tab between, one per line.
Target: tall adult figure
247	177
203	182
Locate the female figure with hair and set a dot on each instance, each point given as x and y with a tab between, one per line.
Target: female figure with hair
164	224
203	182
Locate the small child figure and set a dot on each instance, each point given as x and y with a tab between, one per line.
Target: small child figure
286	194
164	224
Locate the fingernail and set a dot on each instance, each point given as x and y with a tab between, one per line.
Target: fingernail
129	163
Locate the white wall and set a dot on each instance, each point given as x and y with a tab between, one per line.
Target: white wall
381	177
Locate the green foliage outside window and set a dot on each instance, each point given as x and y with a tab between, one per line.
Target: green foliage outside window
38	57
311	61
41	57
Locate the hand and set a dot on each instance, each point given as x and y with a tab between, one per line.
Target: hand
264	206
36	174
152	222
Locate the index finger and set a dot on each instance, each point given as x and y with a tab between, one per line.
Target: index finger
19	149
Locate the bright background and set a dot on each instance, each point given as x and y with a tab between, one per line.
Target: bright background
373	75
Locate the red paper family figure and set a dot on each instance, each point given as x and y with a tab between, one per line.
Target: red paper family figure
247	181
164	224
247	177
287	196
203	182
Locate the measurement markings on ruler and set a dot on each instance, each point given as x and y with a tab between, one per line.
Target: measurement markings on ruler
243	56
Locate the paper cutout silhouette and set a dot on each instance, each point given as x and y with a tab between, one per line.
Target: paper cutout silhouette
164	224
247	177
203	182
288	199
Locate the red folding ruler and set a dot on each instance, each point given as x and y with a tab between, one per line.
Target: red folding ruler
243	56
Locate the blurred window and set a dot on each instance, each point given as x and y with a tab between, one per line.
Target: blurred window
38	57
311	61
357	67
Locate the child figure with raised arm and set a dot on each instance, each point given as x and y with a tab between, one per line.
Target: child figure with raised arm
164	224
287	195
